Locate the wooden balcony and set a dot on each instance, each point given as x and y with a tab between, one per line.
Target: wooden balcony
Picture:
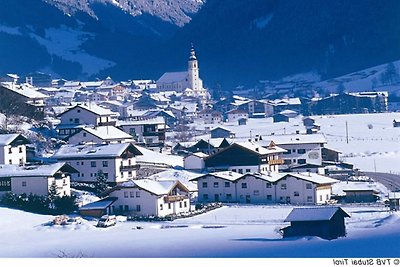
129	168
275	161
174	198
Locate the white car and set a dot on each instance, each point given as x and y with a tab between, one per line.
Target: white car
107	220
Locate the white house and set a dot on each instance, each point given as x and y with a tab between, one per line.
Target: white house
299	188
13	149
150	131
84	114
116	161
179	81
150	198
195	161
236	114
36	179
300	148
99	135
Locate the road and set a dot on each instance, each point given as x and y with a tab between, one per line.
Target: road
391	181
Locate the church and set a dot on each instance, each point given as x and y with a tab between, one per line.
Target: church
186	82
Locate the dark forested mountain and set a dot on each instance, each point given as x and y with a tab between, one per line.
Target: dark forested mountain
236	41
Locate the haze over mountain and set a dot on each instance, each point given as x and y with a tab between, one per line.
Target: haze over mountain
237	42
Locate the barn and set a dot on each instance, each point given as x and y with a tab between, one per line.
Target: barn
324	222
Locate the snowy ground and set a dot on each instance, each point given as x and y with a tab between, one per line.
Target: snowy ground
374	144
234	231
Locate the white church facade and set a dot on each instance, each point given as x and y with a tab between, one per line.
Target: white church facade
186	82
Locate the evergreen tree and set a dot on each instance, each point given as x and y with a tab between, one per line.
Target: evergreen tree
101	183
53	194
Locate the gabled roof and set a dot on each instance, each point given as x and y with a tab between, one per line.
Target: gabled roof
7	139
154	120
313	178
95	151
221	128
163	187
269	177
226	175
25	90
107	132
35	170
171	77
91	108
314	214
198	154
259	149
286	139
100	204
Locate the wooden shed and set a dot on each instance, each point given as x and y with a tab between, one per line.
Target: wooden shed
361	195
394	201
280	118
324	222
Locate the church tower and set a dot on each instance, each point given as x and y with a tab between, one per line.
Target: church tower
195	83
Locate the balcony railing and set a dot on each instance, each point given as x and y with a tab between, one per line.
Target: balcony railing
129	168
275	161
174	198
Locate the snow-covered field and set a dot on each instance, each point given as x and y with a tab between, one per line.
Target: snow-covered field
374	144
231	231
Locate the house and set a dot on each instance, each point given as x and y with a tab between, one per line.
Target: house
13	149
287	103
284	188
394	201
246	157
36	179
116	161
236	114
147	197
280	118
255	108
84	114
221	132
150	132
308	121
324	222
98	208
39	79
300	148
396	123
99	135
210	146
242	121
210	116
356	195
195	161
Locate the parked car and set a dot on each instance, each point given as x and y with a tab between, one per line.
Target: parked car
72	221
60	220
107	220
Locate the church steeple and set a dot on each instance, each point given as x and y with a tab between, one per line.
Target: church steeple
192	54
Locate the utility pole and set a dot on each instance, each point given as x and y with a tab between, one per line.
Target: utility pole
347	133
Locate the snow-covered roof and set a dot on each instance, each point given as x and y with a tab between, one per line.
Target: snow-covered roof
149	156
107	132
313	177
226	175
94	109
259	149
34	170
269	177
92	83
394	195
155	120
171	77
99	205
25	90
288	139
94	151
287	101
314	214
163	187
6	139
182	176
199	155
288	112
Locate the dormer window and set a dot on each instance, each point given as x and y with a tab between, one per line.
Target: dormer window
79	111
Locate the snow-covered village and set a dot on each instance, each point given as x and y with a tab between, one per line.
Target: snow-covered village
172	167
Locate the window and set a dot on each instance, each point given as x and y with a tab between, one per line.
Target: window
268	185
93	164
169	206
256	192
309	199
9	150
82	163
287	152
327	197
137	207
24	183
76	120
269	197
205	196
70	119
296	194
84	134
301	151
130	174
320	198
234	170
248	170
244	185
227	184
20	149
287	161
216	184
126	195
10	161
228	196
132	194
240	171
308	186
137	194
105	163
204	184
126	208
301	161
77	163
180	204
283	186
79	111
161	206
